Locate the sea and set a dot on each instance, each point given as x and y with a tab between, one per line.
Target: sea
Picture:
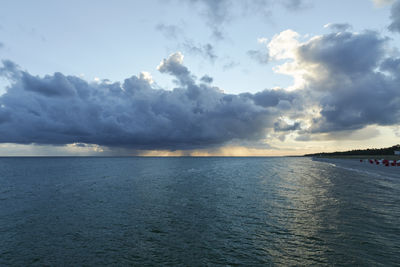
208	211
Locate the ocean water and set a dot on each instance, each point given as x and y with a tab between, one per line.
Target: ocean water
196	212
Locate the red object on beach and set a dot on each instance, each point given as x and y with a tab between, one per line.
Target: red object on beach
393	163
370	161
361	160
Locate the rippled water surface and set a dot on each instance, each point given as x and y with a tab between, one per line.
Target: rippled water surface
196	211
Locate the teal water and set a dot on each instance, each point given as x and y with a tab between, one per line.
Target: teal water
196	211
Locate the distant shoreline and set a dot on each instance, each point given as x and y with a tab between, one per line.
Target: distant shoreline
361	167
389	153
388	157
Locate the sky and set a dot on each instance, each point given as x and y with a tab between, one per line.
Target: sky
198	77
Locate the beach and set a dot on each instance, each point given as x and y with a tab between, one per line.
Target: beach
354	164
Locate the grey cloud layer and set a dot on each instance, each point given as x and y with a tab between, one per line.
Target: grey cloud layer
357	84
59	109
395	17
350	77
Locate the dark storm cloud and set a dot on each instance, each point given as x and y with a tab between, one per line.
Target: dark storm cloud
282	126
272	98
345	53
391	65
350	87
58	109
9	70
206	79
395	17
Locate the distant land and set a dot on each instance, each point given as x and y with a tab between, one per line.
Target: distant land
372	152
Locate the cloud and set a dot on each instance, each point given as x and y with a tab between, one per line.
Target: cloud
283	45
262	57
230	64
9	70
175	32
173	65
204	50
391	65
169	31
282	126
348	77
338	27
216	14
206	79
273	98
58	110
365	133
383	2
349	82
344	53
395	17
219	13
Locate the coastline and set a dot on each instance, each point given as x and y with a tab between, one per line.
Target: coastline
356	165
358	157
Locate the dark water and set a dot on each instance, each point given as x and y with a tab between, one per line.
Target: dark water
196	211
